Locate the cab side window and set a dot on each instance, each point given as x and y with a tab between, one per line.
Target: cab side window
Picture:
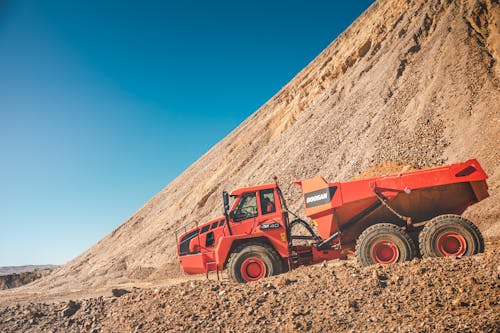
247	208
267	204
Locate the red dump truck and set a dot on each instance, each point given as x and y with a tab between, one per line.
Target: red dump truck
380	219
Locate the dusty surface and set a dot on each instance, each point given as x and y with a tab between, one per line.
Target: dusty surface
430	295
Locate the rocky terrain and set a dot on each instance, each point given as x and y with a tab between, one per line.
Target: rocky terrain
430	295
24	276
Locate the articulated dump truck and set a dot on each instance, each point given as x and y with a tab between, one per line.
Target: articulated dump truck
380	220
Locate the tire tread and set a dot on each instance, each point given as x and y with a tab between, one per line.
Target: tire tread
438	221
378	229
257	247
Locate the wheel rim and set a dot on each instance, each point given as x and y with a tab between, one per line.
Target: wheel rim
451	244
385	252
253	269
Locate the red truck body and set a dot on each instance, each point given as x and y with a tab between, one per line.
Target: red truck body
340	211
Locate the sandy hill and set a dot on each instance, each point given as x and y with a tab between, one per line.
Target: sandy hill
411	83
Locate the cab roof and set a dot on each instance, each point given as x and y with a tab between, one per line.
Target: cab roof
242	190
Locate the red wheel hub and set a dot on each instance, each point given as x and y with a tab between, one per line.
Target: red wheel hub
385	252
253	269
451	244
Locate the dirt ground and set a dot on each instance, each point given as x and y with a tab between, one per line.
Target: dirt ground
429	295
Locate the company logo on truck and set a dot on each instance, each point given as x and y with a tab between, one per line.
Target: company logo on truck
275	225
319	197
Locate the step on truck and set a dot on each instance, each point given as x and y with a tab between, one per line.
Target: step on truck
382	220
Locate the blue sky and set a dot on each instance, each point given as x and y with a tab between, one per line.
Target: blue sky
103	103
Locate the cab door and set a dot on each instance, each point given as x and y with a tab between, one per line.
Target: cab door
269	216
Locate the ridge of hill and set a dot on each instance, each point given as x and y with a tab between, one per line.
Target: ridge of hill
7	270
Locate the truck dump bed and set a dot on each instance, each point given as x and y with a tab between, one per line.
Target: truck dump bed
349	207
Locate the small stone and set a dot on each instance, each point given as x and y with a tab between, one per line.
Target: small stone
354	305
71	308
270	286
119	292
38	314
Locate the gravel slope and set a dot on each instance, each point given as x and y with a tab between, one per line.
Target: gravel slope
430	295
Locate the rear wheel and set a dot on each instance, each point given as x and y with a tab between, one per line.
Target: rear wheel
252	262
450	236
384	243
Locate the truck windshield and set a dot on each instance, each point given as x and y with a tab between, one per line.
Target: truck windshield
247	207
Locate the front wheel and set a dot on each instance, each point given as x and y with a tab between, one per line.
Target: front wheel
384	243
252	262
450	236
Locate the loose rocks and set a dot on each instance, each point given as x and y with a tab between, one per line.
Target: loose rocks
429	295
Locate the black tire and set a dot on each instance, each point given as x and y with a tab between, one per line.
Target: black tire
257	256
384	243
464	237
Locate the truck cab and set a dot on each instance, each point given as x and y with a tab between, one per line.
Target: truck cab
256	216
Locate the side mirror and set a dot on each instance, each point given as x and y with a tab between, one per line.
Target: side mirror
225	198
